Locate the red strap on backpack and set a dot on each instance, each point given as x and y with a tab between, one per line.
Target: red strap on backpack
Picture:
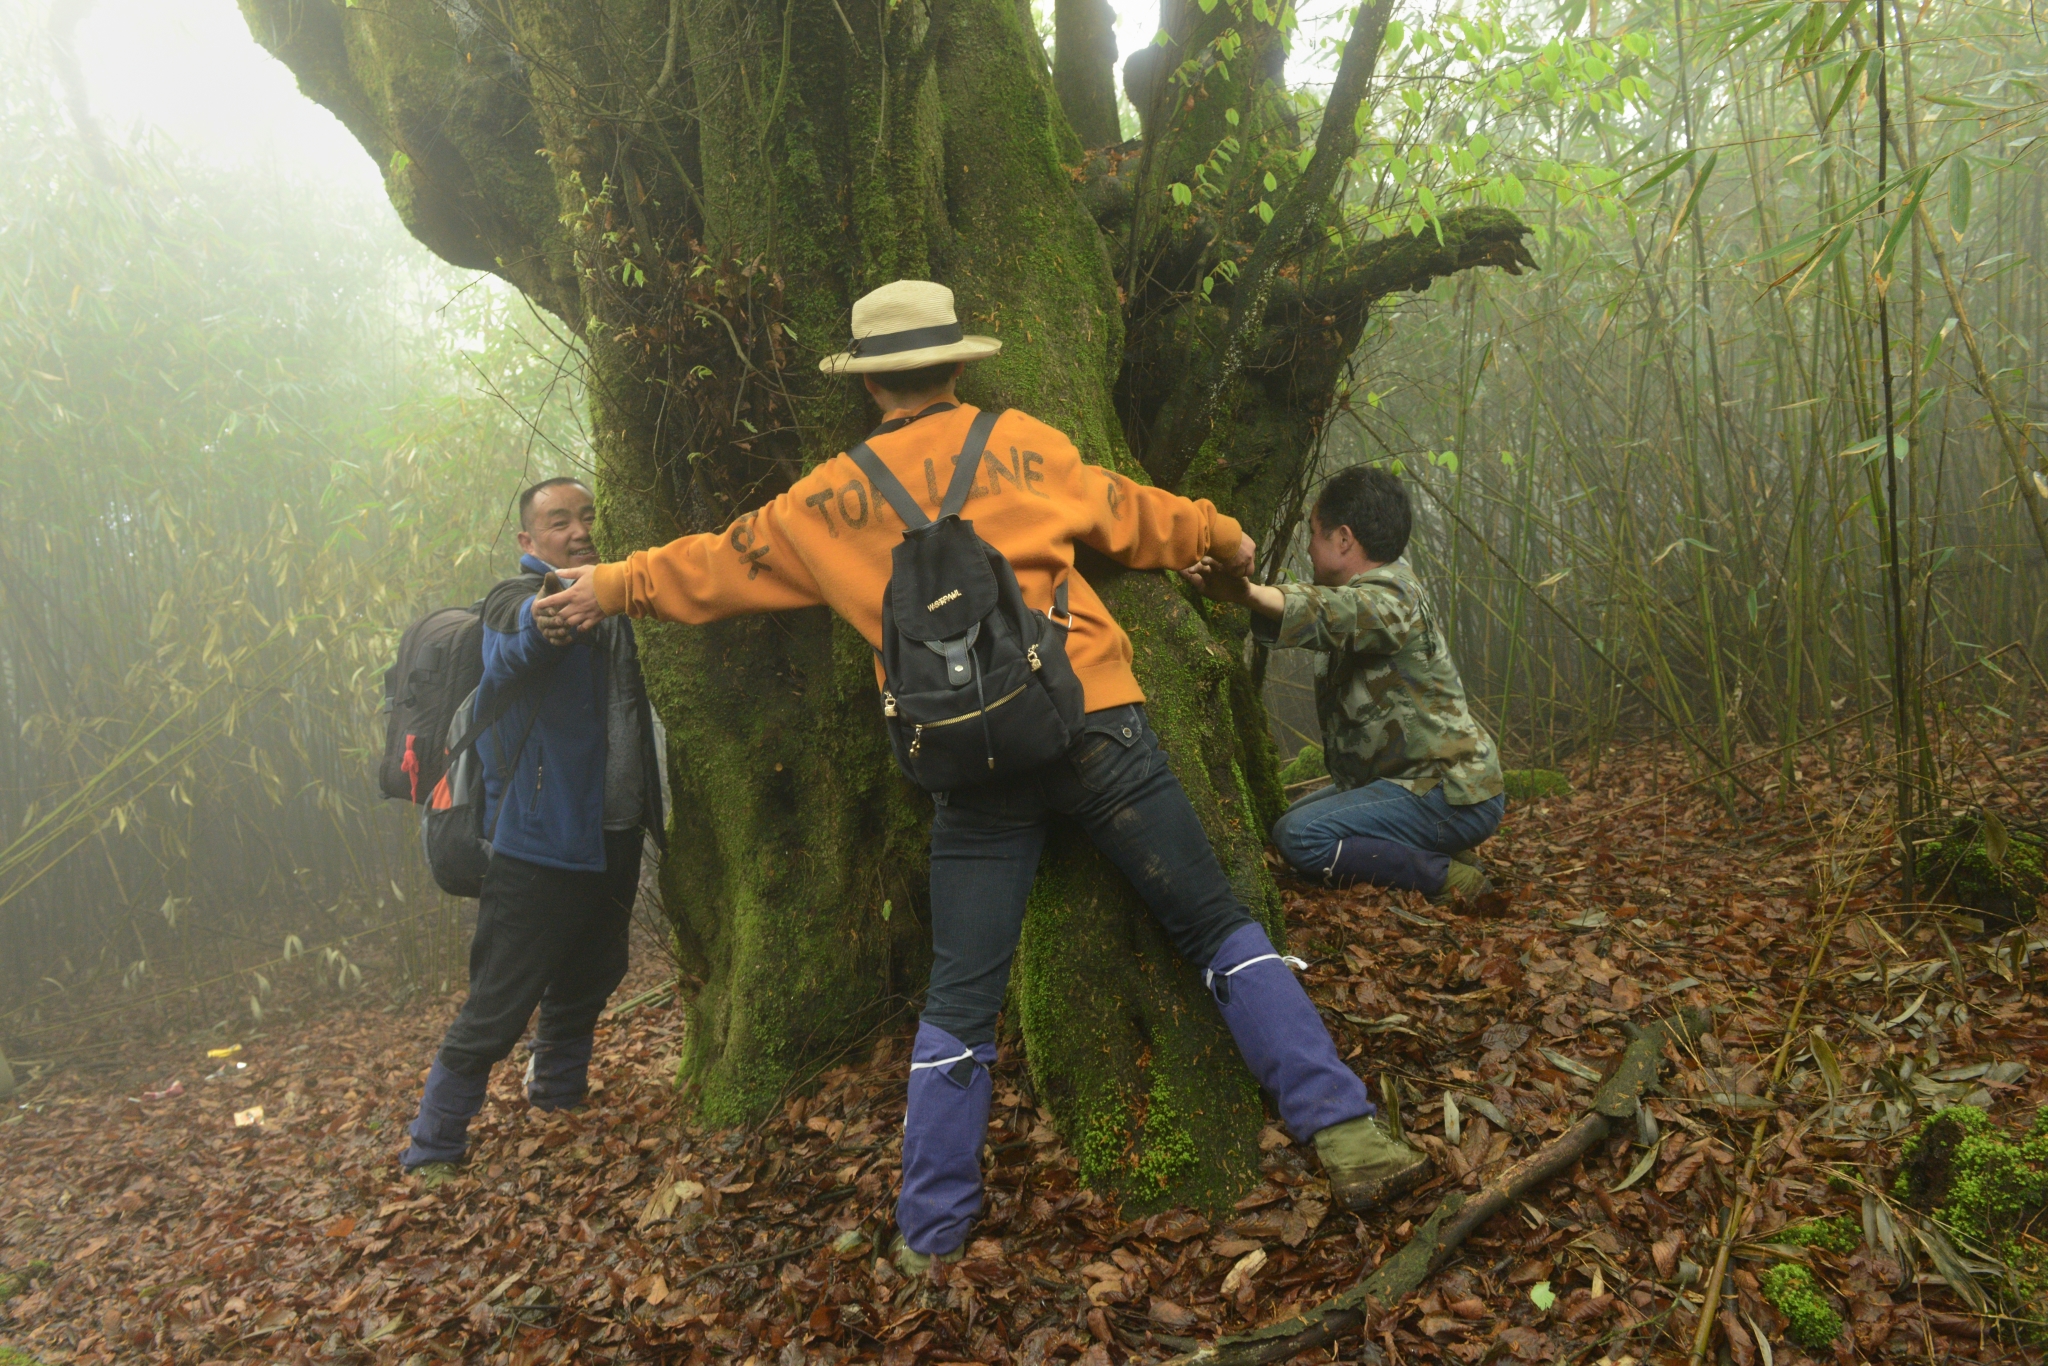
410	766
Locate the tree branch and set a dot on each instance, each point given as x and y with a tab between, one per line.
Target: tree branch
1299	214
1457	1218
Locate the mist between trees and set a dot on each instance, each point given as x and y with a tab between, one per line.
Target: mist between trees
1653	479
247	437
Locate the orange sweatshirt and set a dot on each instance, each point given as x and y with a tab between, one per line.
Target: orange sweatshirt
827	540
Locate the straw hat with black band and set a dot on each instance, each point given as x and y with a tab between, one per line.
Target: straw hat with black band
906	326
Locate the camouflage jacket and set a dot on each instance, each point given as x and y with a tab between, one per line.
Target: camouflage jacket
1389	696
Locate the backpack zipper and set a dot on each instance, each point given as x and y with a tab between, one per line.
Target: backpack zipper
889	702
1031	653
916	741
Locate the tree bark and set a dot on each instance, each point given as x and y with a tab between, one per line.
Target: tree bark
701	188
1084	69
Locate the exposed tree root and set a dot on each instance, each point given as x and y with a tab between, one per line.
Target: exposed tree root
1459	1216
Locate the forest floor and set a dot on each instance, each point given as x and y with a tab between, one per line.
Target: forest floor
160	1229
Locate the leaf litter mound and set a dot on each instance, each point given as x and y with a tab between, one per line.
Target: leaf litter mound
145	1226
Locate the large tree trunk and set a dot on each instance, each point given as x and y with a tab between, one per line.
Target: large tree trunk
701	188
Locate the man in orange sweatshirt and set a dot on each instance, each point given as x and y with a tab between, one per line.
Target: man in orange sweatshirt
829	540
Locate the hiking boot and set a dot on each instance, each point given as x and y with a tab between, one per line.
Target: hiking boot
1470	856
1366	1165
915	1264
429	1175
1462	882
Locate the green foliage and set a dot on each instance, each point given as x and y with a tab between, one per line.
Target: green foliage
257	441
1791	1290
1978	864
1534	784
1841	1235
1973	1176
1306	765
13	1283
1683	465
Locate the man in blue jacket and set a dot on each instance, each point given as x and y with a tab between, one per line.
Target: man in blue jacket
571	780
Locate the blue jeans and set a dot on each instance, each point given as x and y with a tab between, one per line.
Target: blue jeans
1311	832
1115	784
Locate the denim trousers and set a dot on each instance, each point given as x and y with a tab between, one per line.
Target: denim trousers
1115	784
1308	833
547	938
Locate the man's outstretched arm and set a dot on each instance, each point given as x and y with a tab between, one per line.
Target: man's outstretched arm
751	566
1373	617
1149	528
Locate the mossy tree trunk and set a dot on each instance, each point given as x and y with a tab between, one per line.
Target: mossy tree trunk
701	188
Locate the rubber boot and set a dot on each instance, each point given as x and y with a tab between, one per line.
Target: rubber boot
1386	864
558	1074
441	1131
913	1263
1462	882
1283	1039
1366	1165
944	1125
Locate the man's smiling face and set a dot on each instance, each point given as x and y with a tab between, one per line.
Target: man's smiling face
558	526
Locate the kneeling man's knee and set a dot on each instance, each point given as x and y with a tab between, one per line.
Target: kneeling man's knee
1300	844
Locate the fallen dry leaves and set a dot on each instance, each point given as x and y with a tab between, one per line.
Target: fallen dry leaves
628	1232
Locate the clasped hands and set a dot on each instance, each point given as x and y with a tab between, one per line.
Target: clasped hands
1225	580
1229	580
571	612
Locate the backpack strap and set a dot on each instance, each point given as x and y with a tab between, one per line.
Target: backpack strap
1059	608
890	487
964	472
502	703
969	467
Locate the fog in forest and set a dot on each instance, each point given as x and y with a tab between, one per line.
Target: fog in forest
1737	500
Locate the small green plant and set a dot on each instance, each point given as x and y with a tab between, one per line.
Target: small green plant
1534	784
1972	1176
1792	1291
1841	1235
13	1283
1306	764
1980	865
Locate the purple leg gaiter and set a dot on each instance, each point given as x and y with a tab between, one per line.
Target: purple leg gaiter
450	1102
1283	1039
558	1074
1387	864
943	1128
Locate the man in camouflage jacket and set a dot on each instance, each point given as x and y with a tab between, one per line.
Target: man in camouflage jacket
1417	780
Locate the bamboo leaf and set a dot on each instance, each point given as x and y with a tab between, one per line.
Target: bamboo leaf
1996	842
1903	222
1851	78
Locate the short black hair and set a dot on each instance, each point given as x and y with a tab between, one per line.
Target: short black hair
526	498
922	380
1373	502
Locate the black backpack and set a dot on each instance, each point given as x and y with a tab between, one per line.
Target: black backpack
976	685
452	833
440	663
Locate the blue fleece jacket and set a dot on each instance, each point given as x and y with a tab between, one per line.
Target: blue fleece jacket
544	798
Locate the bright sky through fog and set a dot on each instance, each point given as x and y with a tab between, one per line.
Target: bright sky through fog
191	69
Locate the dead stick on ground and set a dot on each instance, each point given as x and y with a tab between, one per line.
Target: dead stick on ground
1458	1217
